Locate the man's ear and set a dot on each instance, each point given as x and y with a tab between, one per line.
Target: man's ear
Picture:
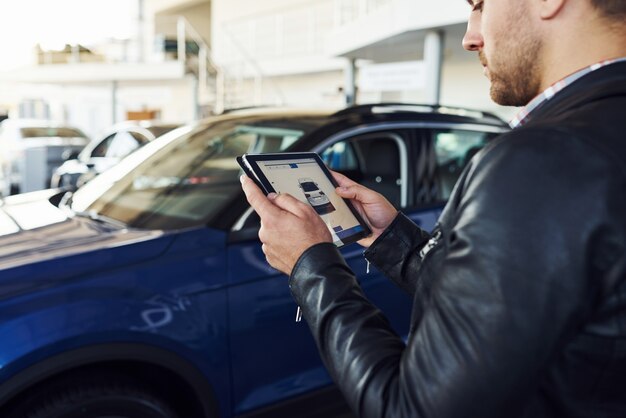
548	9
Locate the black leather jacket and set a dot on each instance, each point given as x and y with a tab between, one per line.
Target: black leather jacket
519	295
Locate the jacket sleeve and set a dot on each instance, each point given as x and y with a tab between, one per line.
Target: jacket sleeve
396	252
510	290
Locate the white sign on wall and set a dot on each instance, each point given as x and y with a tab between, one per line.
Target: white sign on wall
396	76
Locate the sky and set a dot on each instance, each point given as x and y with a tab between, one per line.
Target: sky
53	23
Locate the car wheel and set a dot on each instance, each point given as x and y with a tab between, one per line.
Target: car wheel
103	398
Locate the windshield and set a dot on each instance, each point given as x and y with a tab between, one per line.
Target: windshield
308	186
185	177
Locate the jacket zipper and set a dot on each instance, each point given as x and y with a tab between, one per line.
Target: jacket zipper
432	242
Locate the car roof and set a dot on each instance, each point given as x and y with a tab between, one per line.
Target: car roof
414	112
268	112
422	111
143	124
148	128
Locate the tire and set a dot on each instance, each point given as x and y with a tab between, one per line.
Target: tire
101	398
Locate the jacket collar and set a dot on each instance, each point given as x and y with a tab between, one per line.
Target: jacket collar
608	81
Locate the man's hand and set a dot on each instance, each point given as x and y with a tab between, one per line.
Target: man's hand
288	226
372	206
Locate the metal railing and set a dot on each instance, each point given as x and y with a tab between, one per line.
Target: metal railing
163	39
273	38
175	38
300	30
225	86
207	71
348	11
243	71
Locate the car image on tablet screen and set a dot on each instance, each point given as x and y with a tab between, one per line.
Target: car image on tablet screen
317	198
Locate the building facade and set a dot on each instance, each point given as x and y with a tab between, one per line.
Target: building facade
191	58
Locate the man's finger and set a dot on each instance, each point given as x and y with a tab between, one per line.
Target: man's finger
359	193
289	203
259	202
342	180
352	190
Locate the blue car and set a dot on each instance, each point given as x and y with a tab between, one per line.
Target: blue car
145	293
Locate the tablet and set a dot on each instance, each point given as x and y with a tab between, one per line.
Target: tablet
305	177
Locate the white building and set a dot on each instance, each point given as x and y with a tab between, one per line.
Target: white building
190	58
149	75
309	51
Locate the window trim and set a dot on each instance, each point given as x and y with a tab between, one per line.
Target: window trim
406	125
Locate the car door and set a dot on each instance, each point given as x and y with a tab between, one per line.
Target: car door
415	168
272	356
379	160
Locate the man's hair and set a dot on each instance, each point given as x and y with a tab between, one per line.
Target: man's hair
611	9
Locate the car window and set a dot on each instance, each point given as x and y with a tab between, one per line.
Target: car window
453	149
340	157
376	161
184	182
101	149
157	131
140	138
43	132
122	144
308	185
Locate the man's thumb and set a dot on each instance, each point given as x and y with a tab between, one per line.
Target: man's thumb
349	192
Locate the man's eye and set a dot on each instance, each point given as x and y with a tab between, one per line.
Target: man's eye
478	7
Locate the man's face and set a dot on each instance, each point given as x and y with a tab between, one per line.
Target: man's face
508	48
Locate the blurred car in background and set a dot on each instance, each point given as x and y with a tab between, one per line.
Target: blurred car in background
146	294
30	151
104	153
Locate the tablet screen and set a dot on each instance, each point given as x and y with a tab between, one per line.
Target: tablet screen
304	179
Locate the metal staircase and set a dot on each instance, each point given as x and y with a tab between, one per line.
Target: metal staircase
218	89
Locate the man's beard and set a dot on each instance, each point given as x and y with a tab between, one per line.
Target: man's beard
515	73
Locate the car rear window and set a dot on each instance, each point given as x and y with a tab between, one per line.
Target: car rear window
47	132
157	131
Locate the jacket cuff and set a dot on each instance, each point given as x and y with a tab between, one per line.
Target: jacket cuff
401	238
311	270
316	258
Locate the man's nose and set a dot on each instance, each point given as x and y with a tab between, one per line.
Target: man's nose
473	39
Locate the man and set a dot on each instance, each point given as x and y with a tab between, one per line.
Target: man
520	292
